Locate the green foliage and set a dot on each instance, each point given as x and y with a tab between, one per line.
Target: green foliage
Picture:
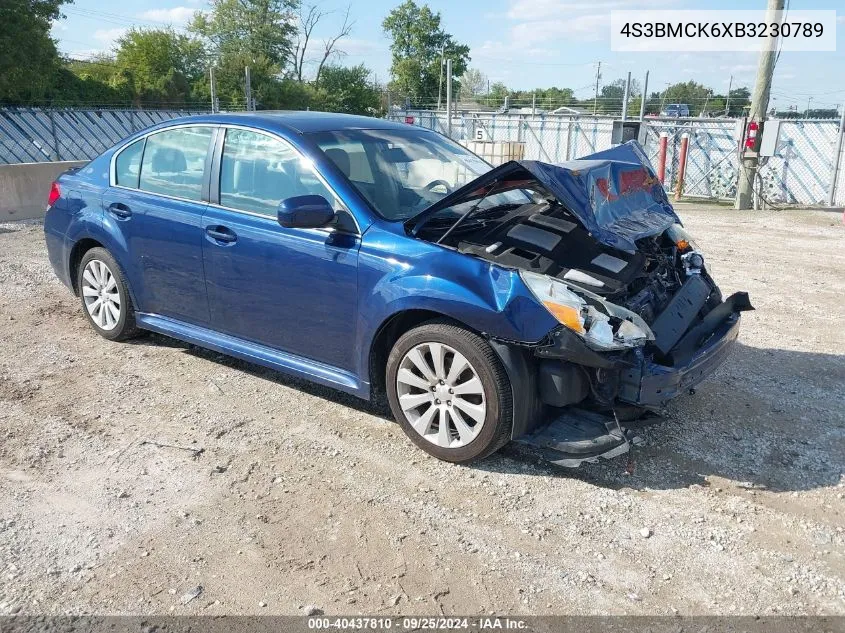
28	58
347	89
254	29
689	92
158	65
418	43
473	83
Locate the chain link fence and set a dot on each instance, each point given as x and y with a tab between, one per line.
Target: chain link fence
801	172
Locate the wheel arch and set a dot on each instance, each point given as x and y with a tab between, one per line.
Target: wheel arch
78	251
389	332
518	361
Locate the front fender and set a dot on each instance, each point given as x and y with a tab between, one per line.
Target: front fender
398	273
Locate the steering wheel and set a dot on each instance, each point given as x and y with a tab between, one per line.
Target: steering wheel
438	183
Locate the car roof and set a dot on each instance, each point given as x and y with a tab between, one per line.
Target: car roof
301	122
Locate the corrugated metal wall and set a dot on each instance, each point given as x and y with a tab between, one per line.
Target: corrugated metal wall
33	135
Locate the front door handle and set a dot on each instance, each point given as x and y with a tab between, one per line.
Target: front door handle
120	210
221	234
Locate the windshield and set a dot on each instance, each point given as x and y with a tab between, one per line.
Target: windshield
400	172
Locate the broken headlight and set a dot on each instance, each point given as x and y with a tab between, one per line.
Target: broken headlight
606	327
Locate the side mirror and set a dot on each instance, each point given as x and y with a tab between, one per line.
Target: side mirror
305	212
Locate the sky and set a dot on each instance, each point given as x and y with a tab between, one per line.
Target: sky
524	43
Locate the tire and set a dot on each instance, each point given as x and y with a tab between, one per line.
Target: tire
100	278
477	400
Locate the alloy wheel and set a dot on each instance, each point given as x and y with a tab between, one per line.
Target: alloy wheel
441	395
101	294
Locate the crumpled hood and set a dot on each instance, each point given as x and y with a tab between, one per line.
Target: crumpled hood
615	194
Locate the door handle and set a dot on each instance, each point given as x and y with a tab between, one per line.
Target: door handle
221	234
120	210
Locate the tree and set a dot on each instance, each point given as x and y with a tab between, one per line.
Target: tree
473	82
158	64
418	43
309	17
254	29
348	89
740	99
691	93
330	43
498	91
28	57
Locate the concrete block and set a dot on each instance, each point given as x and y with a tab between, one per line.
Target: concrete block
24	188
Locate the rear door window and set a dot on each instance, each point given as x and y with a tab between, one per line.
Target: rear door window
174	162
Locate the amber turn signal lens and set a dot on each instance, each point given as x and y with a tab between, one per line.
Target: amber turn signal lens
567	315
682	245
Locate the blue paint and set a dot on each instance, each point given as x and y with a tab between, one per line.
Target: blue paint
305	301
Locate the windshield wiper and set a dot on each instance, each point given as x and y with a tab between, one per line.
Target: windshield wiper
466	214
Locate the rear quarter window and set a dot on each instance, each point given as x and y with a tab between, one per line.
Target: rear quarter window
127	172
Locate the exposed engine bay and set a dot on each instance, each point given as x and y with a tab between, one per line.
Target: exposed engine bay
544	238
598	244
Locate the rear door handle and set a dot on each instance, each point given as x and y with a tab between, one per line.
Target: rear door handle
120	210
221	234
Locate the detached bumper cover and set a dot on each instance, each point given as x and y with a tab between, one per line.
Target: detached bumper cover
650	384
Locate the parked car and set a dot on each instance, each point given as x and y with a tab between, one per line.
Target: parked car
675	110
554	305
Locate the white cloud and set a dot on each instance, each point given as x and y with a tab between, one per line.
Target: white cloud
85	53
355	46
583	27
841	19
174	15
738	69
108	36
539	9
497	50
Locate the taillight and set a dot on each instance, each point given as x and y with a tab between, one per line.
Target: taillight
55	194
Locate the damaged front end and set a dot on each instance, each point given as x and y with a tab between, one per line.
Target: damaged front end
598	244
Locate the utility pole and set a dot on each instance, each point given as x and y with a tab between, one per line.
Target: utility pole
598	77
449	98
213	89
807	112
533	103
625	97
728	99
440	86
837	159
645	96
663	98
759	107
248	91
706	100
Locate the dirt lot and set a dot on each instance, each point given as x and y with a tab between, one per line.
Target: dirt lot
306	497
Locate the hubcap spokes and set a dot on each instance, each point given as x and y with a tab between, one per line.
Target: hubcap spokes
101	295
441	395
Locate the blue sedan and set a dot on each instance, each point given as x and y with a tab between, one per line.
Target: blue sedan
557	305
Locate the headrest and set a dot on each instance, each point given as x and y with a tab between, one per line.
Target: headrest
169	160
340	158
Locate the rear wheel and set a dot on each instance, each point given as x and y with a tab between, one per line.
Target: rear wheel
105	296
449	392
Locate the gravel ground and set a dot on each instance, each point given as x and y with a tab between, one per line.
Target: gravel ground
305	498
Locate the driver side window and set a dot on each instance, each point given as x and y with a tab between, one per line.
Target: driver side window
258	171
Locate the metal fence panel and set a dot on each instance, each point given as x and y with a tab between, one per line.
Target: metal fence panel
35	135
801	172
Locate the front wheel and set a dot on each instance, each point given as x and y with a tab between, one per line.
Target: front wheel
449	392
